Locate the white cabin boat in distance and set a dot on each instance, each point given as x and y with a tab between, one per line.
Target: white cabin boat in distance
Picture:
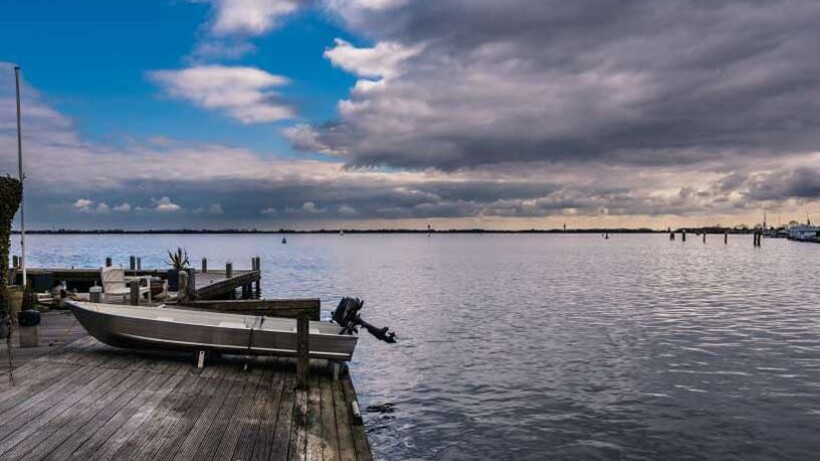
804	233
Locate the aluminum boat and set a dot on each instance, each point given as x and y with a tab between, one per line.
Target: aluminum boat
145	327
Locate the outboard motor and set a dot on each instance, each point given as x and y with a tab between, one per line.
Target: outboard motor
347	316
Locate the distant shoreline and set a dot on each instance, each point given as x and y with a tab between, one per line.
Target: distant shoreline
709	230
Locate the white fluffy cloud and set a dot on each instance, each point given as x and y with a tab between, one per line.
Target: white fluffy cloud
83	204
165	205
382	61
244	93
249	17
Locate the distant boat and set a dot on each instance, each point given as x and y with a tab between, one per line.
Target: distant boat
284	240
145	327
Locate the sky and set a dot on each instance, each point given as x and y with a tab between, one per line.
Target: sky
315	114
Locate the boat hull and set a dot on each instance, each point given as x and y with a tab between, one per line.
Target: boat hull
178	330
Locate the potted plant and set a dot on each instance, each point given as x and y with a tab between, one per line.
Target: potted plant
179	262
11	194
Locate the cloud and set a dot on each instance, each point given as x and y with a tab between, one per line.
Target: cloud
84	205
167	173
249	17
216	209
382	61
123	208
640	83
243	93
165	205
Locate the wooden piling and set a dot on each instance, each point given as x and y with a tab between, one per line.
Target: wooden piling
725	238
132	262
683	235
135	293
15	261
204	265
139	264
108	262
672	236
182	294
228	270
302	351
246	291
704	237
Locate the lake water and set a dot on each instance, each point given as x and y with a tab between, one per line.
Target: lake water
535	347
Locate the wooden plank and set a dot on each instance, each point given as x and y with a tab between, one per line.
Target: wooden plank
88	435
188	448
224	286
298	435
138	427
347	449
281	436
267	426
116	431
314	449
330	436
253	423
241	416
66	424
153	428
363	452
288	308
176	426
213	437
40	414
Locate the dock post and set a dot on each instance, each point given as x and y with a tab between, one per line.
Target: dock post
139	264
704	237
135	293
683	235
246	293
108	261
228	270
302	351
132	263
15	262
672	236
204	265
725	238
182	294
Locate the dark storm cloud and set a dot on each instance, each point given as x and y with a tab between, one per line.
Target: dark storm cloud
628	82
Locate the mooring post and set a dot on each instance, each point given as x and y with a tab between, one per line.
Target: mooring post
246	292
683	235
108	261
704	237
132	263
204	265
672	236
135	293
182	294
725	238
139	264
228	270
302	351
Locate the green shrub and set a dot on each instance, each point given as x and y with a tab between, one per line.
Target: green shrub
11	194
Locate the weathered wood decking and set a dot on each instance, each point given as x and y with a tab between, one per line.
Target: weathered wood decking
88	401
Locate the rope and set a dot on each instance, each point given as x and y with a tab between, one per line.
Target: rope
250	338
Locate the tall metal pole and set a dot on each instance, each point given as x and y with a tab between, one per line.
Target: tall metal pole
22	178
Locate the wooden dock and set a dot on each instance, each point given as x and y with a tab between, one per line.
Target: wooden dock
83	400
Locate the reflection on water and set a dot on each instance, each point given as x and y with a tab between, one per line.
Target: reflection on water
552	346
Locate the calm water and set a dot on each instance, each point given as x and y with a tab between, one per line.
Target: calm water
552	347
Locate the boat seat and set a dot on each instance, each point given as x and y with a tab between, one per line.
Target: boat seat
233	325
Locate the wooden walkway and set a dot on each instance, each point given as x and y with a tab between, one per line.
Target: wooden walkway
88	401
